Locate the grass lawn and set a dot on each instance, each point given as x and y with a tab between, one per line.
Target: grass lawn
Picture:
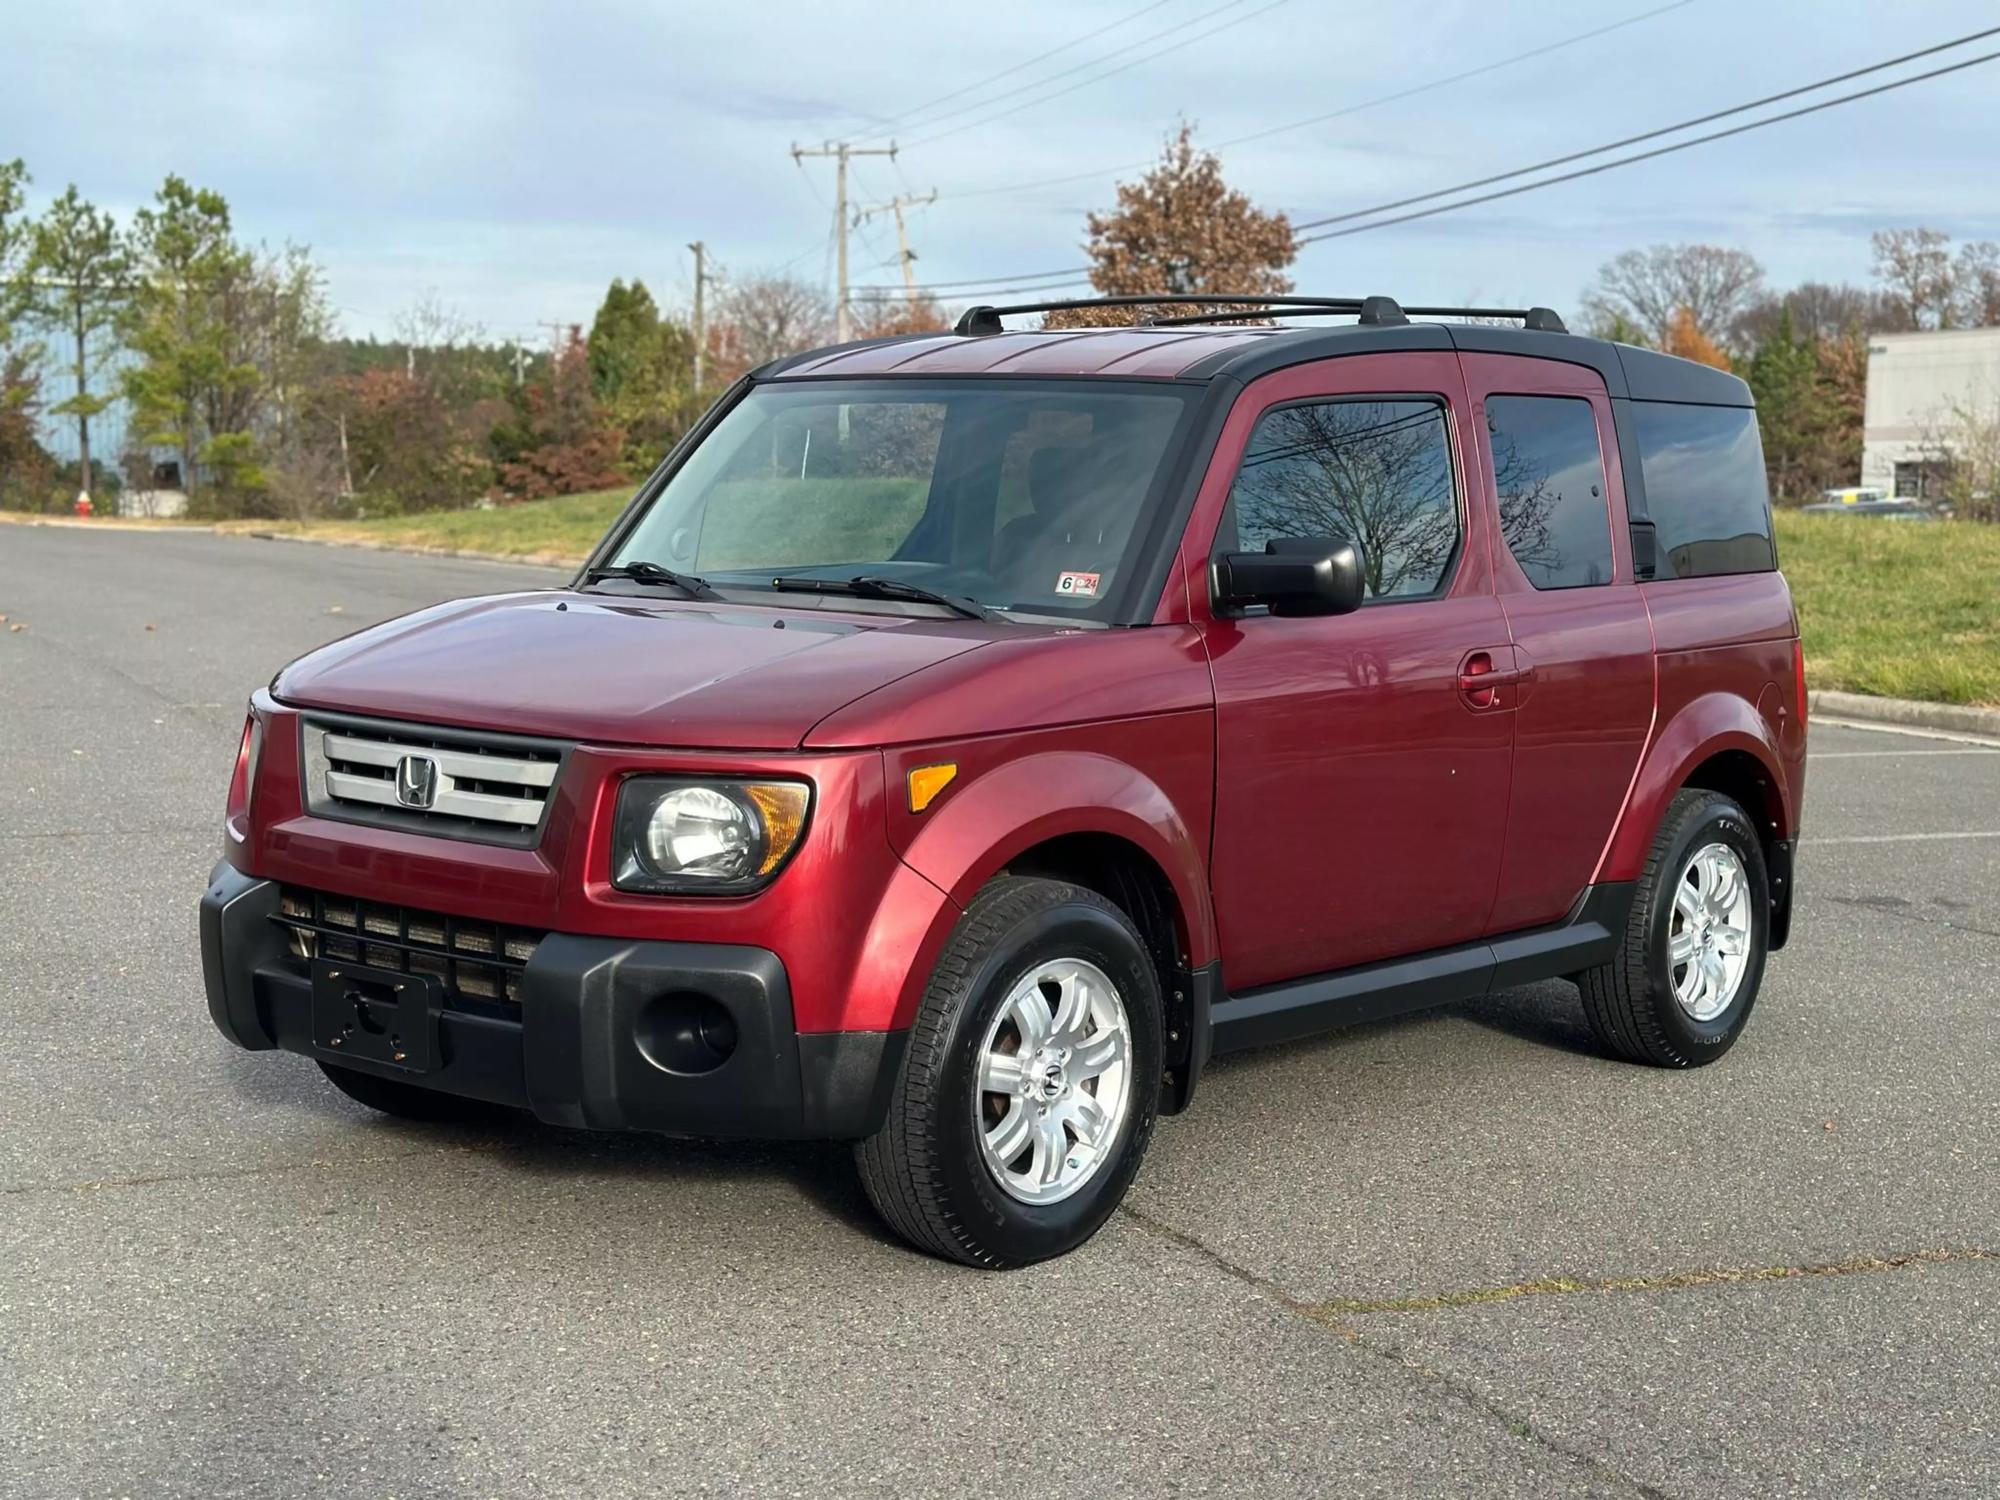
1897	608
559	531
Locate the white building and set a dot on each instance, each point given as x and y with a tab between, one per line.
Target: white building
1915	381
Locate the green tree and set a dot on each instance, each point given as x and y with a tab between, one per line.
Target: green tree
624	339
14	243
80	274
1784	377
186	259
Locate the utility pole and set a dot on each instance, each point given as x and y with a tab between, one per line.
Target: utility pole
843	323
700	249
904	254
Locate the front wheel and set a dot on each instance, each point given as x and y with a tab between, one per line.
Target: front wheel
1030	1084
1680	986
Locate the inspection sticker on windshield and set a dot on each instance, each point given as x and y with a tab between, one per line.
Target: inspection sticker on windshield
1077	583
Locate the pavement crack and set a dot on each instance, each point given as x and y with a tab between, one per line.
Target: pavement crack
1466	1393
1337	1307
1884	908
272	1169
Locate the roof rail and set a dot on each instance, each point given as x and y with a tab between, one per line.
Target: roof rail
983	320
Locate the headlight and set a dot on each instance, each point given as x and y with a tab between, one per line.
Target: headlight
680	836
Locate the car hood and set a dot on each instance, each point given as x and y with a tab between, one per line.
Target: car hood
622	670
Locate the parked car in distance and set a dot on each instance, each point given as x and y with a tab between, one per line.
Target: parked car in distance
1888	510
962	737
1854	494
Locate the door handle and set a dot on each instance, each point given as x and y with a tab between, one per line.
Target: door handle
1480	676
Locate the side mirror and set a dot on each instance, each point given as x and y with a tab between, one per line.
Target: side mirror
1313	575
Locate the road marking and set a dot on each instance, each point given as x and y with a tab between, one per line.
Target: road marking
1888	754
1921	734
1905	838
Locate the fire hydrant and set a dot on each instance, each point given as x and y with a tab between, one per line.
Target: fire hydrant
83	503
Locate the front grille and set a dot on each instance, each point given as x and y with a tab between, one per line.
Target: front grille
479	962
489	788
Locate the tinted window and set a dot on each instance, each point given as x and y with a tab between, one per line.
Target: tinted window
1033	495
1705	494
1376	473
1549	475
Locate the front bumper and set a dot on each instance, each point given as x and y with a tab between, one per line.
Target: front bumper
600	1041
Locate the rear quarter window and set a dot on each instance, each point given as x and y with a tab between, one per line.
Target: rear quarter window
1705	489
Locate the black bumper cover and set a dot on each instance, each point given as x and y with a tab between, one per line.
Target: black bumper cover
597	1016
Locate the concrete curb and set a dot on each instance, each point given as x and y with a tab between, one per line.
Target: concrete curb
1954	717
515	560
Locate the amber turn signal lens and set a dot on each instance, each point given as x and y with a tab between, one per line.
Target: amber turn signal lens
927	781
783	804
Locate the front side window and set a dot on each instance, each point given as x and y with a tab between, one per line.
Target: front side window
1023	495
1376	473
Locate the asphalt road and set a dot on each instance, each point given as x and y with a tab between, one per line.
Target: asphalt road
218	1277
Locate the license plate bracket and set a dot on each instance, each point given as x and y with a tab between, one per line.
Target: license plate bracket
377	1015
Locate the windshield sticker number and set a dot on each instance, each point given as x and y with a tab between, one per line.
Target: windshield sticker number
1077	583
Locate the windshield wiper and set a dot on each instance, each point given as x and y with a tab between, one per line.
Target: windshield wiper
652	572
888	588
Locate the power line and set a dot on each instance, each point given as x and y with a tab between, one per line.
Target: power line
1633	140
902	121
1422	88
1626	161
982	281
1124	67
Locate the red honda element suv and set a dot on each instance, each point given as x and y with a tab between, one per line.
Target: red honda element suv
963	736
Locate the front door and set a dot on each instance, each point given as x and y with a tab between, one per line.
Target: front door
1563	571
1361	788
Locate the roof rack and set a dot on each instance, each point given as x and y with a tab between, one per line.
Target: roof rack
1378	311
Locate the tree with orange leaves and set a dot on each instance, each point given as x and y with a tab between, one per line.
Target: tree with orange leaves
1182	228
1685	338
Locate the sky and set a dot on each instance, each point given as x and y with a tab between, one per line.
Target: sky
508	159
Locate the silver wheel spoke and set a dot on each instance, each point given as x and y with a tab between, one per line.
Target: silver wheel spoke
1097	1053
1682	947
1001	1073
1051	1150
1070	1010
1030	1014
1687	901
1088	1119
1733	941
1005	1140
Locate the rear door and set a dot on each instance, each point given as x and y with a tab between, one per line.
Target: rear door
1361	794
1562	570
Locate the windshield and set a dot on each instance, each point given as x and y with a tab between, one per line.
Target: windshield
1022	495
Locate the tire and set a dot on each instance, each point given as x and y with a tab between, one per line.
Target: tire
405	1101
1634	1003
927	1170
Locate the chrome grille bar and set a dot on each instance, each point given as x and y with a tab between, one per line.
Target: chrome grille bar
452	783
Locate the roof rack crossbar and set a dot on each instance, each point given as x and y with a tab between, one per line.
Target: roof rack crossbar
1243	307
983	319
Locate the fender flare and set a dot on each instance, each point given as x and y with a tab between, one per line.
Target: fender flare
1707	726
970	836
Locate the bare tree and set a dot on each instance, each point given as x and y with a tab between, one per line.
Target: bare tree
1821	311
770	314
1961	451
1976	296
1915	266
1648	288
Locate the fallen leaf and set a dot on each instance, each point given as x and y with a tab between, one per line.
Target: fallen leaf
1829	1125
335	609
152	627
17	627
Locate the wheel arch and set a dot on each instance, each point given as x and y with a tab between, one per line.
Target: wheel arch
1099	823
1720	743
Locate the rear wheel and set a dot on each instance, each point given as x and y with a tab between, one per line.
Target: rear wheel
1680	987
1030	1084
405	1101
